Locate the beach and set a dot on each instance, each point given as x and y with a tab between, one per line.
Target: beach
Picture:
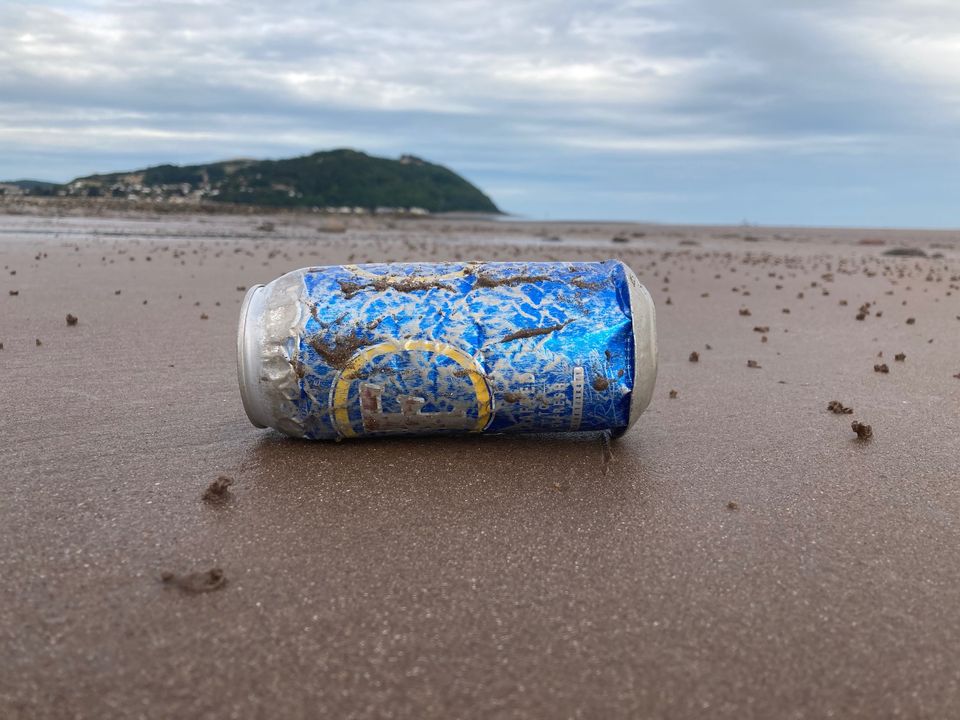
739	553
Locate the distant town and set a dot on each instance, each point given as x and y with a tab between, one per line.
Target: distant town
180	194
343	182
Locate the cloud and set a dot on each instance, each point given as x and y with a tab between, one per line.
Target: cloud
707	144
613	90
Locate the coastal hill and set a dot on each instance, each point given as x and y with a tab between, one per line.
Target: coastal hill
327	180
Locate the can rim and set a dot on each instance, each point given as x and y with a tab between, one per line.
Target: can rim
645	355
243	364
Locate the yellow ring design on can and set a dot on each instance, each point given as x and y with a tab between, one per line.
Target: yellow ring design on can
341	387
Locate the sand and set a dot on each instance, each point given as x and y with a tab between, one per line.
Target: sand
738	554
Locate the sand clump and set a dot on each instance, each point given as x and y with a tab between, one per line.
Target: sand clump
337	353
838	408
486	281
197	582
532	332
403	284
905	252
219	489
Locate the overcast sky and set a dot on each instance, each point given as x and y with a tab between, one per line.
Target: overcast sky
811	112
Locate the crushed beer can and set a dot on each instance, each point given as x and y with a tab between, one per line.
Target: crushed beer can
422	348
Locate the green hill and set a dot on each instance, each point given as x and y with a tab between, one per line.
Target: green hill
34	187
334	178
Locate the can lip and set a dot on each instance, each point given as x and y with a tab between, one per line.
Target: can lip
246	347
644	319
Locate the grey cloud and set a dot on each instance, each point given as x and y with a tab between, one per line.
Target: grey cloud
580	93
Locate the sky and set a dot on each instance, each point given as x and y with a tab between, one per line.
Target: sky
802	112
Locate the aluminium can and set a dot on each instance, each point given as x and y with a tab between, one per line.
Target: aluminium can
463	347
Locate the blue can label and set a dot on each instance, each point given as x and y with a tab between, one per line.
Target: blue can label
464	347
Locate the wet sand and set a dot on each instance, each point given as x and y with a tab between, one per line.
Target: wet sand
741	554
